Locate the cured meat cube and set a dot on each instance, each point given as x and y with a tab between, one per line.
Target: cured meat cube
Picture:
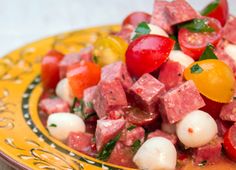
171	74
88	98
159	133
228	111
53	105
222	127
209	153
107	130
229	31
128	137
122	155
146	91
81	142
126	32
109	96
115	114
179	101
117	71
174	9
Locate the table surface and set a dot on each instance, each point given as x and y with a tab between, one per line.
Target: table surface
24	21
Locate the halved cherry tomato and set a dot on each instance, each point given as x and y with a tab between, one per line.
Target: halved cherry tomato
81	76
213	78
146	53
136	17
221	12
194	43
230	142
50	69
109	49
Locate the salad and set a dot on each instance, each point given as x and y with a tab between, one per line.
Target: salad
158	95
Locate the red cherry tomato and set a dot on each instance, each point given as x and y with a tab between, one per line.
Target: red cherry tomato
50	69
136	17
81	76
221	12
146	53
230	142
194	44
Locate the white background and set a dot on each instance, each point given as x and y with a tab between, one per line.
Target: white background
24	21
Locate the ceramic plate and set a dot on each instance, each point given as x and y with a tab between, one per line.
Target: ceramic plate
24	142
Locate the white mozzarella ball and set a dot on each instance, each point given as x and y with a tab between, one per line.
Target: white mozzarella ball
157	153
180	57
157	30
196	129
168	128
61	124
63	91
230	49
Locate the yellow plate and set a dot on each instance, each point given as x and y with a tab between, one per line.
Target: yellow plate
24	142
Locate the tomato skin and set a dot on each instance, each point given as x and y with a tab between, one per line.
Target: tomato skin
146	53
135	18
50	69
230	142
221	13
194	44
81	76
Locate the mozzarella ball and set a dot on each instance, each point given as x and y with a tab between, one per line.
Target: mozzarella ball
63	91
180	57
168	128
61	124
196	129
157	30
230	49
156	153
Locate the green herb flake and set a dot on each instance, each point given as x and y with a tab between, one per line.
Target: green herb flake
107	149
208	53
73	105
52	125
196	69
131	127
176	47
197	25
87	116
95	59
203	163
210	7
136	145
89	105
141	29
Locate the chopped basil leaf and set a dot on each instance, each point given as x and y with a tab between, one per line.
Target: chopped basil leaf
107	149
52	125
87	116
176	47
210	7
203	163
141	29
131	127
72	109
136	145
197	25
80	108
196	69
208	53
95	59
89	105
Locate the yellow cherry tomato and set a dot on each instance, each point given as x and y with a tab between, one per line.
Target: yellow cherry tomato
213	78
109	49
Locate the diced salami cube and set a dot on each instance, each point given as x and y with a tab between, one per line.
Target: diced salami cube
88	98
222	126
146	91
159	133
115	114
229	31
128	137
210	153
109	96
126	32
107	130
117	71
53	105
122	155
171	74
179	101
228	112
160	15
176	16
81	142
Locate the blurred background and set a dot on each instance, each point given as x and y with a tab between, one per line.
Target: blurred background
24	21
